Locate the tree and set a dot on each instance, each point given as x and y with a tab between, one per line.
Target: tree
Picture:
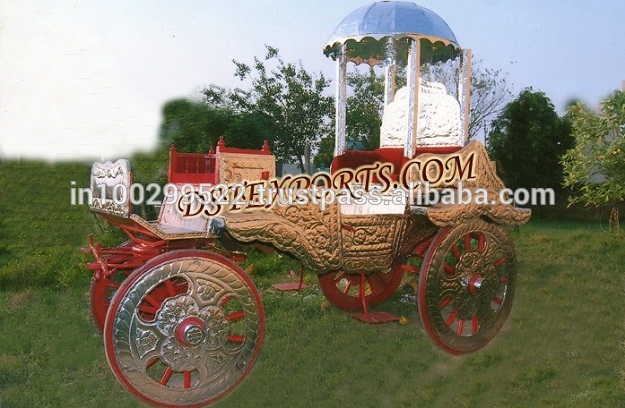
363	119
287	100
528	140
489	91
594	168
196	126
325	153
364	109
191	126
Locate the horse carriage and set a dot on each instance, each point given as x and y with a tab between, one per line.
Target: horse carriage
183	323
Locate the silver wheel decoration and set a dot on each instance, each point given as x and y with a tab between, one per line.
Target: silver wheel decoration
198	345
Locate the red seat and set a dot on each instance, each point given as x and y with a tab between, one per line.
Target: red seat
353	159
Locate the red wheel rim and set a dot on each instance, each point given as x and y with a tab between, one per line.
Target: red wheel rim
343	290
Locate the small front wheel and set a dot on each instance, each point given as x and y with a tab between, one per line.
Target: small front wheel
184	348
345	291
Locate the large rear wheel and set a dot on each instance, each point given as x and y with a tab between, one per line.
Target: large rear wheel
466	285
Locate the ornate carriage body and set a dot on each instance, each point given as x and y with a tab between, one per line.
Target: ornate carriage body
183	323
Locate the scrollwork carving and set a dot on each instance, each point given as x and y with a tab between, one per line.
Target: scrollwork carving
304	231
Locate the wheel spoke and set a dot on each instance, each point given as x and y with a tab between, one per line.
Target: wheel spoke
447	300
475	324
236	339
456	252
113	285
149	310
480	242
377	283
171	291
419	251
166	376
233	317
347	286
151	362
153	301
187	379
149	359
339	277
460	327
181	287
499	262
449	270
467	242
451	318
409	268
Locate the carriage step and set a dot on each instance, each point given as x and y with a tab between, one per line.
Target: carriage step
299	285
377	317
289	286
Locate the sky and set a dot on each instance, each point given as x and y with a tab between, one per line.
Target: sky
86	79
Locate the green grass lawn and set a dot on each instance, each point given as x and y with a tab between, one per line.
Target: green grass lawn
563	344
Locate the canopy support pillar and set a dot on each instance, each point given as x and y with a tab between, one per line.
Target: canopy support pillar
341	102
390	72
413	97
464	91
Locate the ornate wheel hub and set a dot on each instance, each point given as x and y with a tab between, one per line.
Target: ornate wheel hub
476	282
190	332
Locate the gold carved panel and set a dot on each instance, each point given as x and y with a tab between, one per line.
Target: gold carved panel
239	167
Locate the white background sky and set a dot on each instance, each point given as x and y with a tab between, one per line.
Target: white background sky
87	79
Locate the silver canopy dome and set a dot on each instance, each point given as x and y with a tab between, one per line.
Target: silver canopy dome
366	30
392	34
